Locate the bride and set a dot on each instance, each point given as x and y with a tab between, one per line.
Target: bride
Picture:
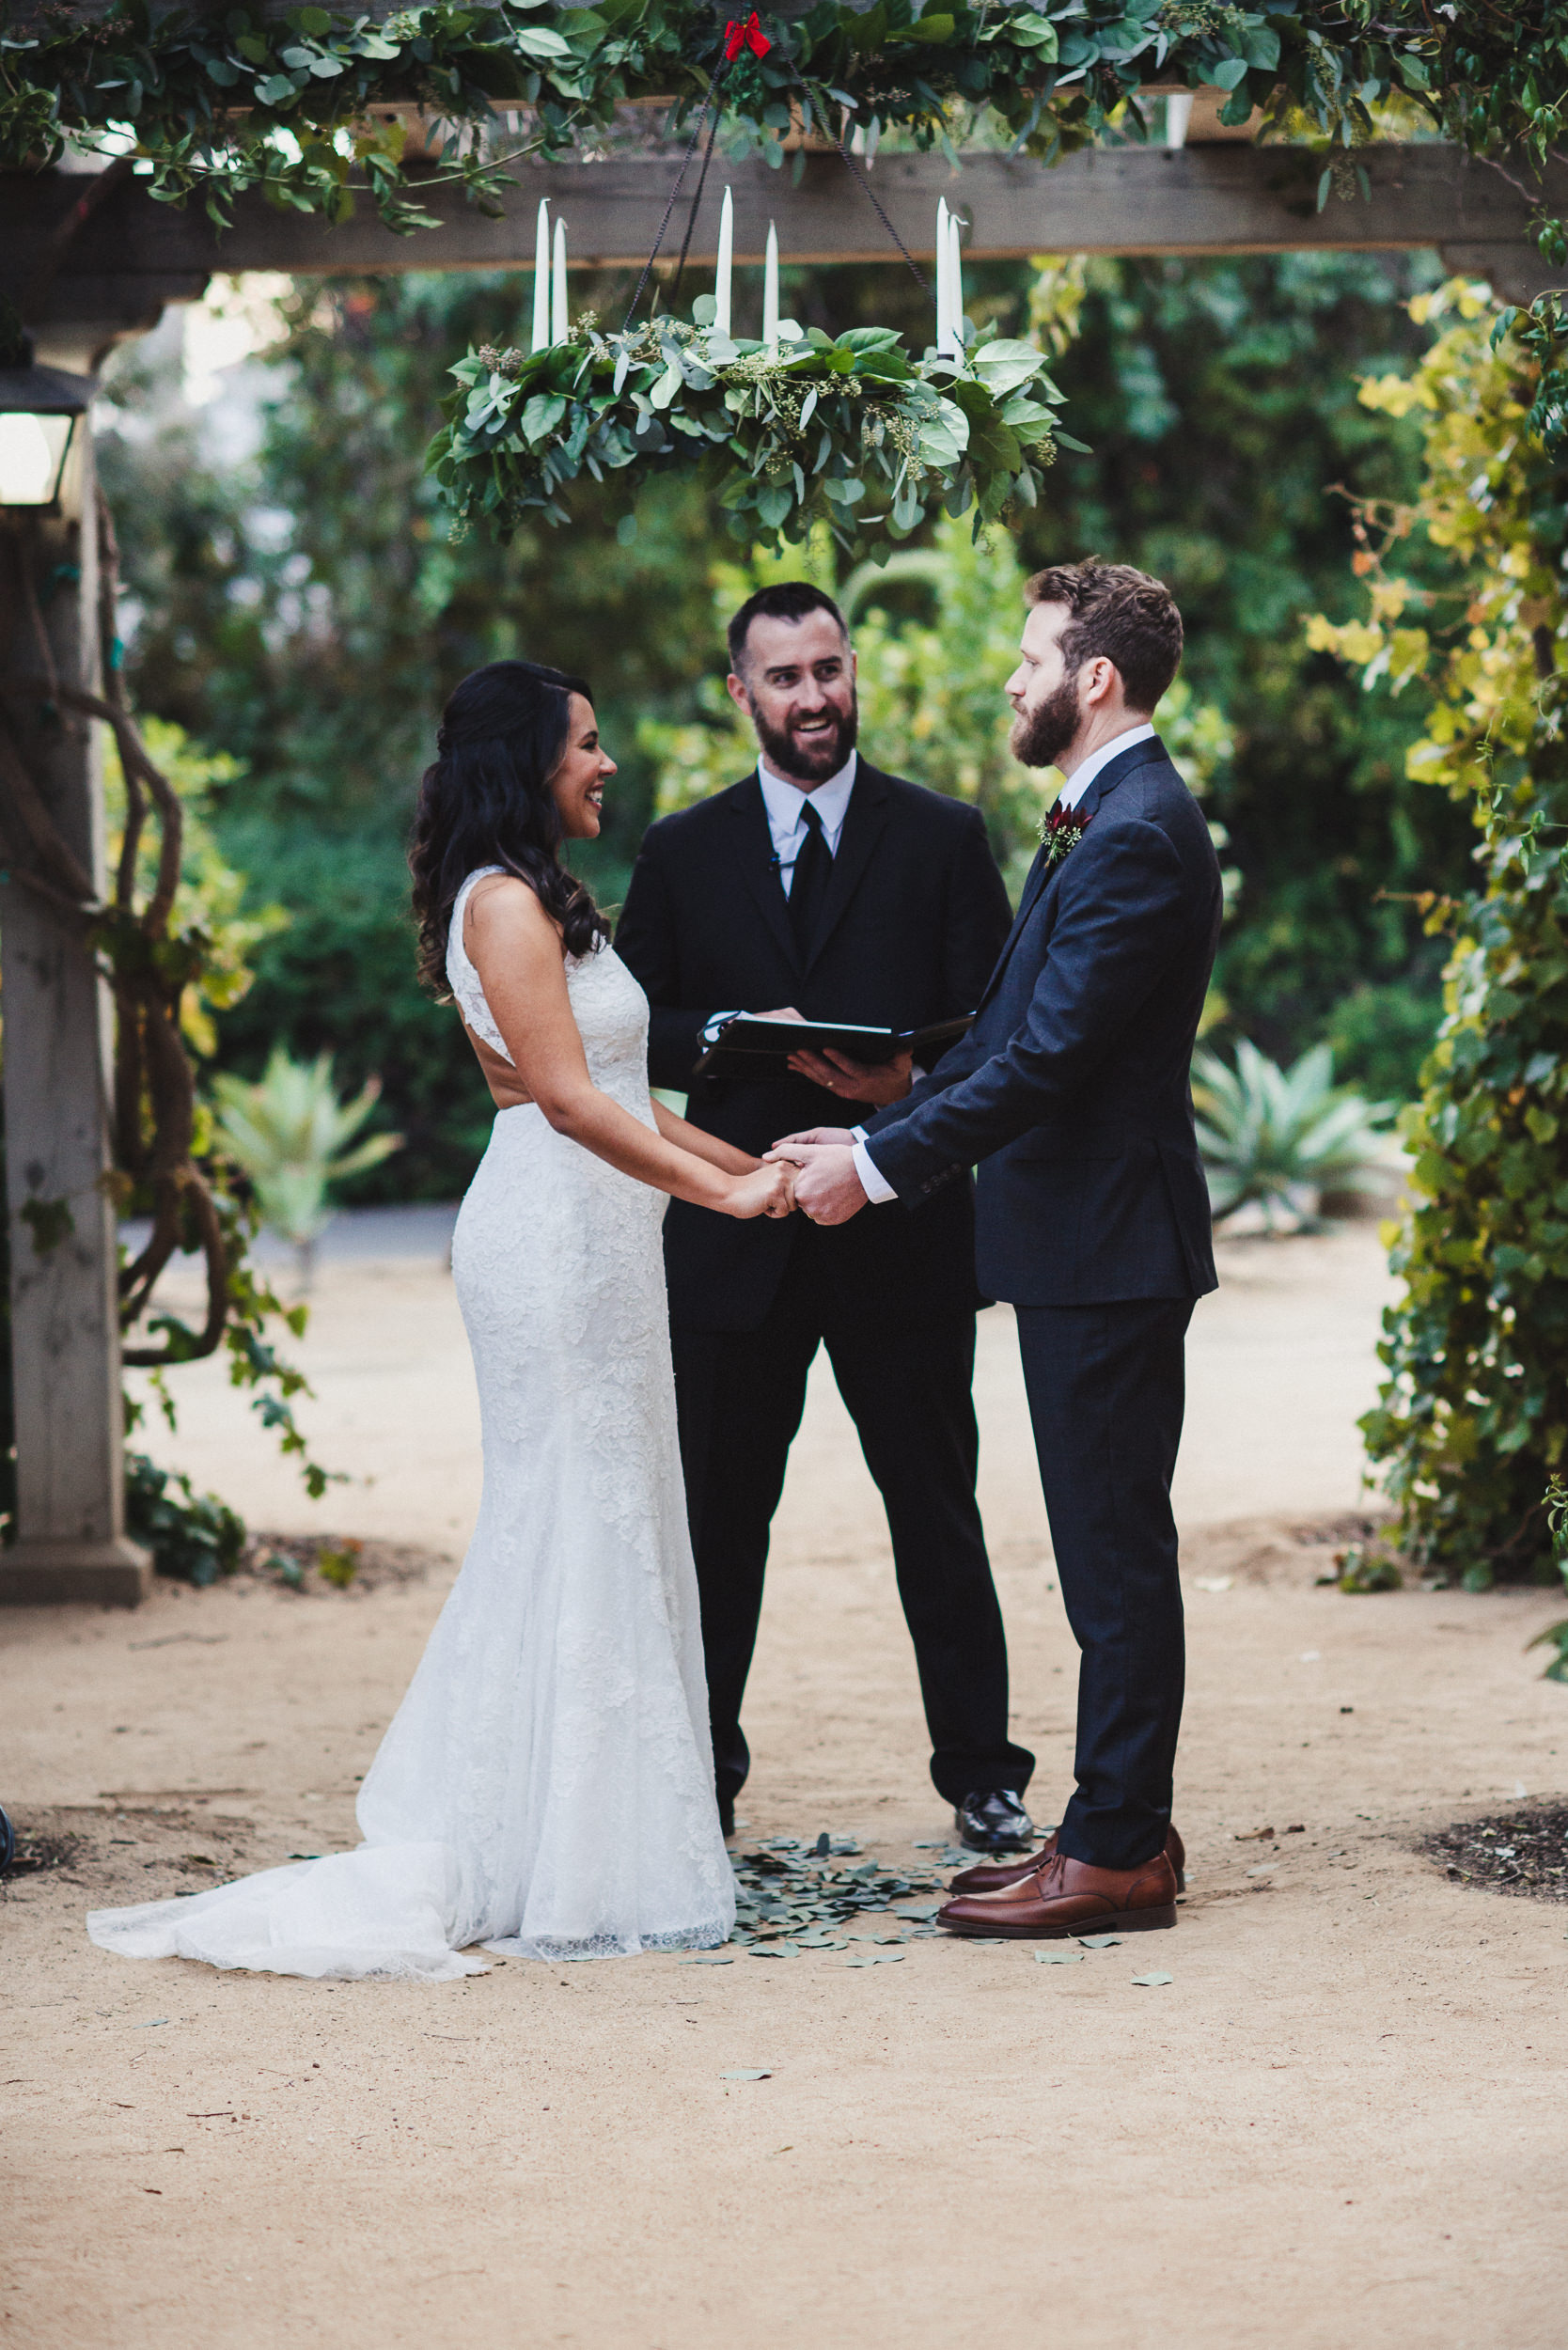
546	1788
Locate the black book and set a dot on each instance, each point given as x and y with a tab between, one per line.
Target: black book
746	1047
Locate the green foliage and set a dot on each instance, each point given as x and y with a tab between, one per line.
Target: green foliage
1473	1416
290	1134
209	915
1279	1138
846	432
1220	402
1368	1567
1556	1635
1557	1522
298	106
339	1564
192	1537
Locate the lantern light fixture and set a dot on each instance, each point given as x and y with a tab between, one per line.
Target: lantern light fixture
40	411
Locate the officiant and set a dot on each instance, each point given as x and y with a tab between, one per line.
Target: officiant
819	887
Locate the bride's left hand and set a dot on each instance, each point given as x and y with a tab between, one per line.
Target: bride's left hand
771	1191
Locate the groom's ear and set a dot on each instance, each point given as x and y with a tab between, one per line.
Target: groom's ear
736	687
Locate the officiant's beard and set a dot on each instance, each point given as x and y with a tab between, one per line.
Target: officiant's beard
787	756
1039	736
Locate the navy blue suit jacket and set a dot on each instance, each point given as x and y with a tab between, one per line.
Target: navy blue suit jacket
1071	1091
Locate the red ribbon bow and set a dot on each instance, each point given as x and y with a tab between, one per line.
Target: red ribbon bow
748	36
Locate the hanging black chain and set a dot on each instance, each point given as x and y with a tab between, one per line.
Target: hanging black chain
696	200
853	167
851	163
720	73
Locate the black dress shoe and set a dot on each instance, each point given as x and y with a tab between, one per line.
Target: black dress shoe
994	1821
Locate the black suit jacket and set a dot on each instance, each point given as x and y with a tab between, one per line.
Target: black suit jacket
910	929
1073	1088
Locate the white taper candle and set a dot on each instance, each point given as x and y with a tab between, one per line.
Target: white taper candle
559	322
770	290
944	262
541	278
725	271
955	285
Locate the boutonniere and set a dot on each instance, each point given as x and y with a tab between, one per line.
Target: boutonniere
1060	832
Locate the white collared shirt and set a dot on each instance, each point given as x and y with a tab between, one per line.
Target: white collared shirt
876	1186
1079	780
786	805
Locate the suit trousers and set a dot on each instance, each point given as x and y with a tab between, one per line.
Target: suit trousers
1106	1390
739	1396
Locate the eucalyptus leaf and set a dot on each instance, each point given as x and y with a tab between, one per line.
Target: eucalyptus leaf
1003	366
537	40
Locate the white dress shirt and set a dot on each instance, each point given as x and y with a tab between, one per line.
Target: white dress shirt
785	802
786	805
1082	776
876	1186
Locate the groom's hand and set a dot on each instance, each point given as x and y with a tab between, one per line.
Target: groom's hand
827	1189
842	1135
853	1080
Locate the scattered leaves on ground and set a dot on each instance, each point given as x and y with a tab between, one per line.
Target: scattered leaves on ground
1517	1852
792	1895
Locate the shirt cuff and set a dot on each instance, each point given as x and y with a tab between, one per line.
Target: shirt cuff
716	1020
876	1186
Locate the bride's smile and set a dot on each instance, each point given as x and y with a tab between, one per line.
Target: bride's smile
577	784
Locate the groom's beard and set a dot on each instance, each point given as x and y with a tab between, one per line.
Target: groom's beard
1039	736
812	761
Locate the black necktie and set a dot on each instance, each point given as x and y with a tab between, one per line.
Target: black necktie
813	871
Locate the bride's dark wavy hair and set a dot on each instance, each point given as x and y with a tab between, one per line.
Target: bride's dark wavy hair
486	800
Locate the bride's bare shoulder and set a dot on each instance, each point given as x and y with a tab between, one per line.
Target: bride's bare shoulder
502	906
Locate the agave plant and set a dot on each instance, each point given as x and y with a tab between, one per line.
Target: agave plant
1282	1137
288	1134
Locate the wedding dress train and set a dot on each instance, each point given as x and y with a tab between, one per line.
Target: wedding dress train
546	1787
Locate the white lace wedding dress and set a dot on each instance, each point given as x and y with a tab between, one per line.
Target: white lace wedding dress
546	1788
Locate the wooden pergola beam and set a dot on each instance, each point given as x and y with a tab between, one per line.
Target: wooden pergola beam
134	254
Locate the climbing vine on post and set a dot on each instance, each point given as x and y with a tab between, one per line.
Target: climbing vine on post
1473	1416
158	965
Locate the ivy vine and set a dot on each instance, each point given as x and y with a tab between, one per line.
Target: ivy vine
1472	1421
158	966
298	104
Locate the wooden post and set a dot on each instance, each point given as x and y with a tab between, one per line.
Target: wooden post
65	1327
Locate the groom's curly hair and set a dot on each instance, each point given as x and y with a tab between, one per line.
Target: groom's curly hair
1118	615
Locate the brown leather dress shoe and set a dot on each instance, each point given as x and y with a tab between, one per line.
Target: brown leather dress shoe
1067	1897
992	1876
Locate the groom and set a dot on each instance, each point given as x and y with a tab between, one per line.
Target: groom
1072	1092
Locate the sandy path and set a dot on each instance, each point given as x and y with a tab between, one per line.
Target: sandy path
1343	2121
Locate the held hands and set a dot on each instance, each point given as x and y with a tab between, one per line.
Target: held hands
827	1188
851	1080
771	1191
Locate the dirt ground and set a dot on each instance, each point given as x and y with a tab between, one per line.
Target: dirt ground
1341	2121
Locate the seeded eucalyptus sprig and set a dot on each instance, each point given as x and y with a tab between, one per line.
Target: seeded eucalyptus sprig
853	431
